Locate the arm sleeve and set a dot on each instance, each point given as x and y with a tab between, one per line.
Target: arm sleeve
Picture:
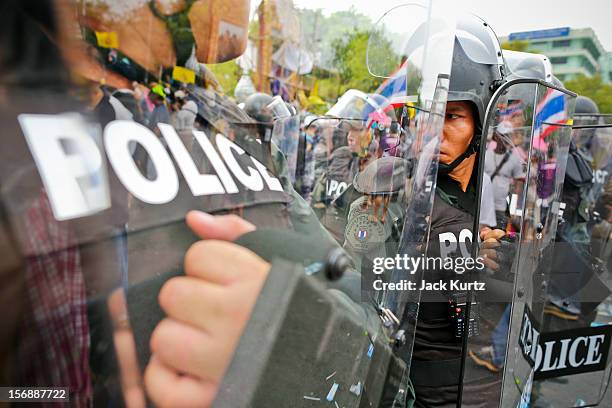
487	203
517	167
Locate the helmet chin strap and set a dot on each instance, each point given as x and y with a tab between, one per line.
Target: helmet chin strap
472	148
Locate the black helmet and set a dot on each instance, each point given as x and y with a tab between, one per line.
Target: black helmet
586	105
256	107
477	71
386	175
478	66
587	111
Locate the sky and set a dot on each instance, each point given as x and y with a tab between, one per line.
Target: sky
504	16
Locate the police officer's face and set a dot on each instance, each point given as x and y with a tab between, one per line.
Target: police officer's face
356	138
458	130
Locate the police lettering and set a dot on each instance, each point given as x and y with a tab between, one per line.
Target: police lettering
334	189
599	176
570	352
555	354
529	338
71	167
448	243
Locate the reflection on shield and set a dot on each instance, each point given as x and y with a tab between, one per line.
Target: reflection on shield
502	356
230	40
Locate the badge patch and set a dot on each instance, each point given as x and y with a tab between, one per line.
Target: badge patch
362	234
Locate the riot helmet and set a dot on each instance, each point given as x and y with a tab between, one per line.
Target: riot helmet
585	105
256	107
477	71
528	65
384	176
520	65
586	114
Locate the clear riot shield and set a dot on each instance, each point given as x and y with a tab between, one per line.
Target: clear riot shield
375	161
285	133
578	291
527	128
406	124
94	202
362	183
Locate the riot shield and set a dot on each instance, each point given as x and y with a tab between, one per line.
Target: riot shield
360	195
578	291
95	192
528	132
417	92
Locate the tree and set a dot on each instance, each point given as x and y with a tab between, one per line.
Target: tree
594	88
318	32
350	60
516	45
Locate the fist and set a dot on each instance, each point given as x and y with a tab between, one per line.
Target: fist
489	245
207	311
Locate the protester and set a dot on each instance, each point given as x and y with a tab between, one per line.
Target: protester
502	165
160	113
188	110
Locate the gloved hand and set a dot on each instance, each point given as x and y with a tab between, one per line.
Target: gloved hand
490	241
498	250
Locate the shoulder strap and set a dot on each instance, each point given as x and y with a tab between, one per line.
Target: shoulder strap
501	164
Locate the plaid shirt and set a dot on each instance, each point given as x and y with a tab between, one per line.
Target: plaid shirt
53	349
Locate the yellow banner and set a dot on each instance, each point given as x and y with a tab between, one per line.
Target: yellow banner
107	39
183	75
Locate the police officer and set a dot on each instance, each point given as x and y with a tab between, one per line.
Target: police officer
573	262
436	358
235	297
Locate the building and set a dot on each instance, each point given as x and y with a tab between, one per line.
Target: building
571	51
606	67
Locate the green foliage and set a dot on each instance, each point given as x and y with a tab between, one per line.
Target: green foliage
350	61
329	88
318	32
594	88
516	45
339	42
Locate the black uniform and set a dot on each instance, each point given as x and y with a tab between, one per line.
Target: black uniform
436	356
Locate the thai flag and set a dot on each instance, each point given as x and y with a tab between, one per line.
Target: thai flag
393	93
550	111
395	85
511	110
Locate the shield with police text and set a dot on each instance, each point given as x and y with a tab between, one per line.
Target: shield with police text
522	167
572	362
